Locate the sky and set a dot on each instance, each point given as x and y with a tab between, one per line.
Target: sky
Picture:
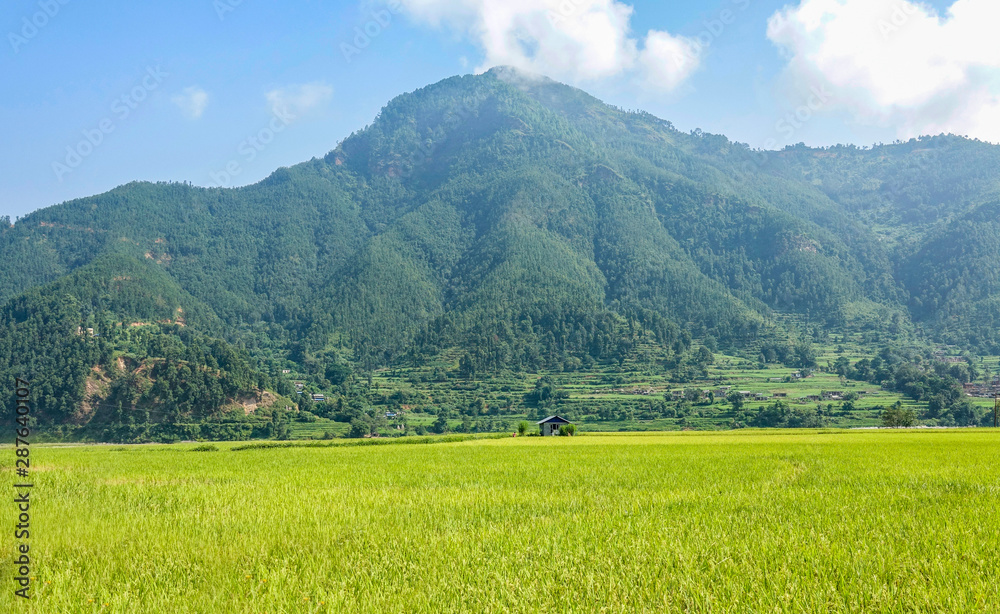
223	92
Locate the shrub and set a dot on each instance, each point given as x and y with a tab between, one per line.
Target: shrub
440	425
359	428
896	417
567	430
522	428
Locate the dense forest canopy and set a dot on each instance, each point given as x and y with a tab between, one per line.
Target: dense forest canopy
512	217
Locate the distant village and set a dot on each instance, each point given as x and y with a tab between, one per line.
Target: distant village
983	391
722	392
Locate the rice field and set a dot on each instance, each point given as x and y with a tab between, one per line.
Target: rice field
765	521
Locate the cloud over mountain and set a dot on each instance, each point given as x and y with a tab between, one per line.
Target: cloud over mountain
898	63
572	40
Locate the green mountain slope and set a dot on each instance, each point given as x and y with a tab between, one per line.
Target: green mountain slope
954	279
521	222
119	334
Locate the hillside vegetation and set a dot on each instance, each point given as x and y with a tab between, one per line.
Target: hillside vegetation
512	222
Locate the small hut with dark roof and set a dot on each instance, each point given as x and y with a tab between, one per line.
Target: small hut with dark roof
550	426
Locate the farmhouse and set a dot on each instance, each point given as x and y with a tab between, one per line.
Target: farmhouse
550	426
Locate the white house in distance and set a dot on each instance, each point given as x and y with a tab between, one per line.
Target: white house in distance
550	426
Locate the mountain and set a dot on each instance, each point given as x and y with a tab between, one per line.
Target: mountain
517	221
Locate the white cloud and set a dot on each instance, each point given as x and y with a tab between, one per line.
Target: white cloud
569	40
668	60
898	63
297	100
192	101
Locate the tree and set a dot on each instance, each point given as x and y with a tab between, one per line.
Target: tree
338	373
693	395
282	430
704	356
966	414
774	415
359	428
842	366
736	400
804	356
897	417
522	428
467	366
440	425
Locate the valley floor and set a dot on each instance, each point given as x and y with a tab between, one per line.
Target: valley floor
742	521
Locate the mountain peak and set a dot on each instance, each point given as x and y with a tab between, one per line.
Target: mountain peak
515	75
517	223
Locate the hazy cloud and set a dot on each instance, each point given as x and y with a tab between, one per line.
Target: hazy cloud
298	99
192	101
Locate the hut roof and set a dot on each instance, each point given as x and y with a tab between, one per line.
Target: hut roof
554	420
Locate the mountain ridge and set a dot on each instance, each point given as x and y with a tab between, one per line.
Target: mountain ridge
528	223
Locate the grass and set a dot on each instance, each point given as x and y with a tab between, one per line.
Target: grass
745	521
317	429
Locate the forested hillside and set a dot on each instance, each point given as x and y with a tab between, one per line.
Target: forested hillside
516	221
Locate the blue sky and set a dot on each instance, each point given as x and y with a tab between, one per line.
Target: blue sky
99	94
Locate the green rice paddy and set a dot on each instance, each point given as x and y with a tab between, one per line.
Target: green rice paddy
744	521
